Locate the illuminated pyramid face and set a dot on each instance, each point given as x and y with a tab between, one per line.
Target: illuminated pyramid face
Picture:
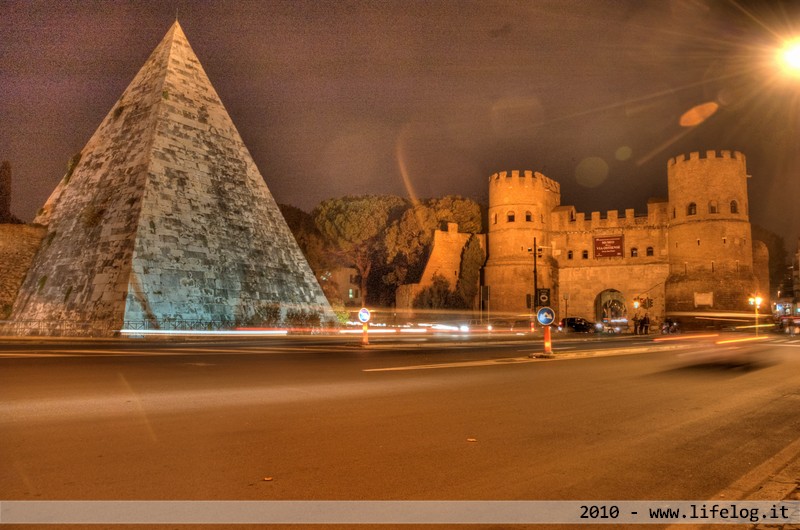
163	217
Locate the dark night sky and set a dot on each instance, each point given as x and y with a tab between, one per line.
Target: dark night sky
336	98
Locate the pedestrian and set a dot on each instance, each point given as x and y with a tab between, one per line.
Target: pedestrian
636	324
645	324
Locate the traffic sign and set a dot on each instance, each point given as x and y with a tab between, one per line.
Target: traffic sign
545	316
363	315
543	297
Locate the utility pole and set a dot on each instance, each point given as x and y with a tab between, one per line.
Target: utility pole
535	298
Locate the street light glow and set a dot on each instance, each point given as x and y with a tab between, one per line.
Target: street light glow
790	58
755	301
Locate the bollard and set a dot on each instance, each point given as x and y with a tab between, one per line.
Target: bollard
548	342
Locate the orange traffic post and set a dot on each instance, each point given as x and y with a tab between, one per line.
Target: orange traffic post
548	343
365	336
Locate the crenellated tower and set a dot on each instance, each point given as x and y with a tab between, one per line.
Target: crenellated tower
709	238
520	204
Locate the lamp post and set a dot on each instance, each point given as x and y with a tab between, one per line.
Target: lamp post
755	301
534	298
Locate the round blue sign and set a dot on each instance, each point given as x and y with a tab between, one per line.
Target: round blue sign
545	316
363	315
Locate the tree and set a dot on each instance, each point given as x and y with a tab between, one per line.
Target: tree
472	260
5	194
438	296
409	240
355	227
314	247
457	209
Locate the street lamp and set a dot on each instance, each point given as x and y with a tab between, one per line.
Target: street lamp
755	301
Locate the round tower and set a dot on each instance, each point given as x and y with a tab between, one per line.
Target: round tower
519	213
710	244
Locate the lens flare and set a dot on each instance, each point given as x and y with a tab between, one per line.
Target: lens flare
698	114
790	58
591	172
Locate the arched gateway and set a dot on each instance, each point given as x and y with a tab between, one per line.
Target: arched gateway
611	310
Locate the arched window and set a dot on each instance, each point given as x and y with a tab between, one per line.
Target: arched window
585	254
712	207
634	252
510	217
649	251
569	254
734	207
691	209
528	217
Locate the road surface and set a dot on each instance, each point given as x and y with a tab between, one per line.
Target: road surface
266	420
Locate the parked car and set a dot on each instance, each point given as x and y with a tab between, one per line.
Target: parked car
577	325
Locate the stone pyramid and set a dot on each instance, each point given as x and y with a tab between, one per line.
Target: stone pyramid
163	220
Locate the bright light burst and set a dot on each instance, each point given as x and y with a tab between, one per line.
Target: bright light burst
790	58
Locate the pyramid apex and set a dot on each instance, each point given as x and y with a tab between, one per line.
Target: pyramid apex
175	30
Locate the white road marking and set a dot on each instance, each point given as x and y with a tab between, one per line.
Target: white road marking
459	364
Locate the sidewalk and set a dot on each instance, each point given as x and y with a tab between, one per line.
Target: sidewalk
784	484
776	479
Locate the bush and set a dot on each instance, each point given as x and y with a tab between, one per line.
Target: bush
300	318
439	296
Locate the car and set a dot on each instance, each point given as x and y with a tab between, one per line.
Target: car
577	325
616	325
497	325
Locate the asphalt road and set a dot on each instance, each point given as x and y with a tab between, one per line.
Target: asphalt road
328	420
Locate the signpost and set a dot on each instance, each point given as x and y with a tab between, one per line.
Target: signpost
546	316
363	316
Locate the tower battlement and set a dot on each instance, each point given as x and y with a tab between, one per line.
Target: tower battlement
709	155
525	179
567	218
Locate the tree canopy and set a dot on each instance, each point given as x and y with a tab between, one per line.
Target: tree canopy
387	239
409	239
355	227
315	248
